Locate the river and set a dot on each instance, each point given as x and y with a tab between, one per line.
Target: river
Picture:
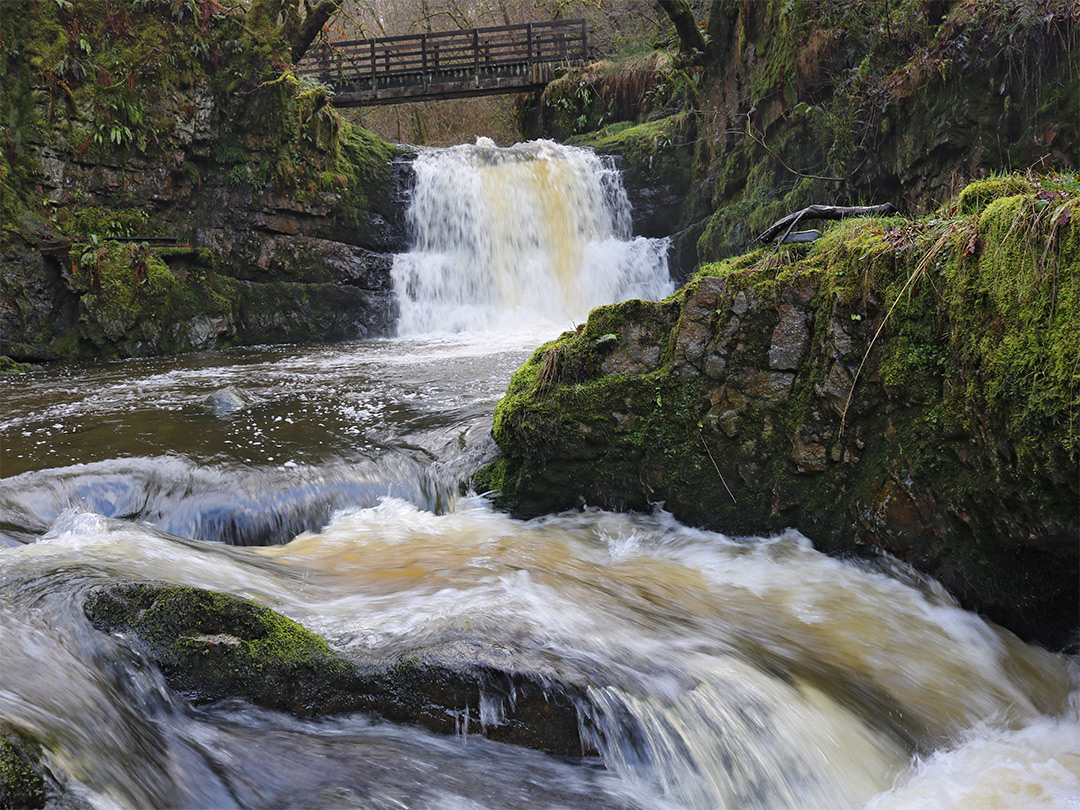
330	484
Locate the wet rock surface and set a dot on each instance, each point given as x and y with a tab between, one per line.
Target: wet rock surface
23	782
212	646
243	256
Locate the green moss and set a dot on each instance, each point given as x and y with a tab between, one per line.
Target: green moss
9	366
21	125
607	94
657	153
104	222
21	782
105	67
364	161
213	645
976	196
131	303
1024	291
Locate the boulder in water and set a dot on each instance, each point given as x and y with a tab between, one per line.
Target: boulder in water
227	401
22	778
211	646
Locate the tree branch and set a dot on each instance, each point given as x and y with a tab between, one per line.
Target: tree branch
313	23
821	212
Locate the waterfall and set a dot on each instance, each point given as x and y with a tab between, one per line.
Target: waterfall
504	237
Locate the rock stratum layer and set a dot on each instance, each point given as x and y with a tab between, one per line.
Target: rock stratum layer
900	386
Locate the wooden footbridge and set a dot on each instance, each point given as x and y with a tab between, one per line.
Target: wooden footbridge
447	64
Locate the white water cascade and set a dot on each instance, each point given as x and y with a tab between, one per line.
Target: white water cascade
507	237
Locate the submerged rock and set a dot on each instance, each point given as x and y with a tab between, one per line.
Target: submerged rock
9	366
228	400
211	646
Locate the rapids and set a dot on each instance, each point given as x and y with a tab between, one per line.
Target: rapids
721	672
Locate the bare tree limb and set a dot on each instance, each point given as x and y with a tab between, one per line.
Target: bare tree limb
761	142
821	212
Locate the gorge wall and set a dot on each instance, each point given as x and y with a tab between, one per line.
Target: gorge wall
795	103
128	122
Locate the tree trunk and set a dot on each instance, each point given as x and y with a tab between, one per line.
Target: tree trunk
691	42
313	23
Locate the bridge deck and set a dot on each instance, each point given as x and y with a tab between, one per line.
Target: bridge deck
447	64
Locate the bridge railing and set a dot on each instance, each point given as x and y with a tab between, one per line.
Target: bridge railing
404	58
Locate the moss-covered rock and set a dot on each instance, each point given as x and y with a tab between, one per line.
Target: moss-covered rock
157	121
22	782
901	385
9	366
211	646
656	161
633	89
132	303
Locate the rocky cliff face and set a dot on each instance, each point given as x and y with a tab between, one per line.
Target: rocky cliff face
243	265
905	386
208	197
883	101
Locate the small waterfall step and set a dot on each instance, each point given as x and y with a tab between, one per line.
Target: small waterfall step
502	237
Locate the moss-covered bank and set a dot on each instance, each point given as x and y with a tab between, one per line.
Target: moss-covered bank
818	101
902	385
155	155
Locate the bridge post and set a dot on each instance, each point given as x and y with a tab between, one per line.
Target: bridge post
476	55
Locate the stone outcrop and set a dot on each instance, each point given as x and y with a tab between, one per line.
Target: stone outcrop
211	646
212	199
278	272
901	386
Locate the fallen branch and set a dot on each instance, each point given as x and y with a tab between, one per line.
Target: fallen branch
821	212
